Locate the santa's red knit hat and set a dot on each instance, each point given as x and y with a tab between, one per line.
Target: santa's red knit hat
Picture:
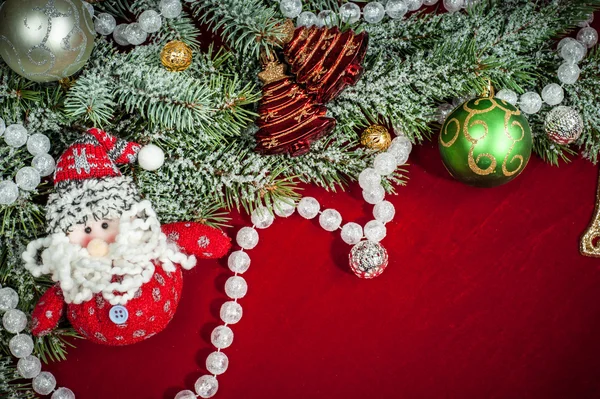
88	183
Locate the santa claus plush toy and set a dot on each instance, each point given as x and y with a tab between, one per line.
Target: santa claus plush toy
118	273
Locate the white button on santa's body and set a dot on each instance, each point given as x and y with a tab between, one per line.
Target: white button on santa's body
106	248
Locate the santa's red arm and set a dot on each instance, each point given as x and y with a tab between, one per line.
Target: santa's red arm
197	239
48	311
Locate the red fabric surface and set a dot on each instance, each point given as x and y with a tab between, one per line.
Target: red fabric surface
486	296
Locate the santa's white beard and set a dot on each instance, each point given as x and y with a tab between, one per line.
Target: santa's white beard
130	261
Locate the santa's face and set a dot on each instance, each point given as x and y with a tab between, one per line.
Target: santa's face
95	235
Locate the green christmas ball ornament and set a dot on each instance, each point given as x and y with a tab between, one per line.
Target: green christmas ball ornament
485	142
45	40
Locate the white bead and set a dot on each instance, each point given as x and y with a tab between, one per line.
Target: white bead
187	394
63	393
307	19
385	164
262	217
400	149
105	24
29	366
9	192
374	195
9	299
330	219
290	8
568	73
375	230
530	102
170	8
38	144
414	5
221	337
350	13
28	178
396	9
135	34
553	94
508	95
119	35
308	207
217	363
352	233
44	383
247	237
231	312
453	5
587	21
44	164
206	386
373	12
384	211
151	157
236	287
15	135
284	207
573	51
238	262
369	178
150	21
2	127
588	36
326	18
14	321
21	345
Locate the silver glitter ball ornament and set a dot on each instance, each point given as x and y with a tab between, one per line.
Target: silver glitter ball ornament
563	125
45	40
368	259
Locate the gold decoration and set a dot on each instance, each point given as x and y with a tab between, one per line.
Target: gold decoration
272	72
589	245
376	137
67	83
176	56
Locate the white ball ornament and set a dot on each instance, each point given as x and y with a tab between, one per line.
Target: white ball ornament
375	230
413	5
588	36
135	34
186	394
44	164
236	287
573	51
330	219
206	386
27	178
221	337
553	94
63	393
151	157
9	192
44	383
284	207
369	179
262	217
29	366
38	144
14	321
384	211
530	102
400	149
453	5
350	13
21	345
105	24
307	19
9	299
308	207
231	312
326	18
373	12
385	164
290	8
396	9
508	95
352	233
238	262
170	8
247	237
217	363
119	35
15	135
150	21
374	195
568	73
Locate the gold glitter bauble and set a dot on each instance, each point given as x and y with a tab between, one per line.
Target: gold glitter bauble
176	56
376	137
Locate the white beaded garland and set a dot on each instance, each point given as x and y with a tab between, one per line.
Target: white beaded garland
374	195
384	211
238	262
400	149
262	217
308	207
217	363
27	178
284	207
63	393
453	5
508	95
307	19
396	9
330	219
530	102
186	394
290	8
14	321
573	51
9	192
9	299
21	345
236	287
352	233
150	21
369	179
350	13
119	35
413	5
38	144
170	8
29	366
373	12
568	73
105	24
206	386
44	164
588	36
247	237
135	34
553	94
385	163
151	157
44	383
231	312
15	135
375	230
221	337
326	18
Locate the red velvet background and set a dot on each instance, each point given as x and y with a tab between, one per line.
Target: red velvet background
486	296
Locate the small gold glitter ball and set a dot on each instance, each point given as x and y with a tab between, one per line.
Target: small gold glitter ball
376	137
176	56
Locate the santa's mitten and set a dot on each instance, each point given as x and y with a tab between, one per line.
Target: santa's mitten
48	311
198	239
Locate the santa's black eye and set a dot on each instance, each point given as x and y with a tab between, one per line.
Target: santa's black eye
105	225
88	230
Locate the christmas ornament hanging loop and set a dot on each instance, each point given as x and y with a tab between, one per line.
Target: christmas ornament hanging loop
488	91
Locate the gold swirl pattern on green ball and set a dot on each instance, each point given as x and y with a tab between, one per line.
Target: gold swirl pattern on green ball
482	134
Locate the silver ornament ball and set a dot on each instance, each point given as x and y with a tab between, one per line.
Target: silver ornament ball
368	259
563	125
44	383
44	164
38	144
